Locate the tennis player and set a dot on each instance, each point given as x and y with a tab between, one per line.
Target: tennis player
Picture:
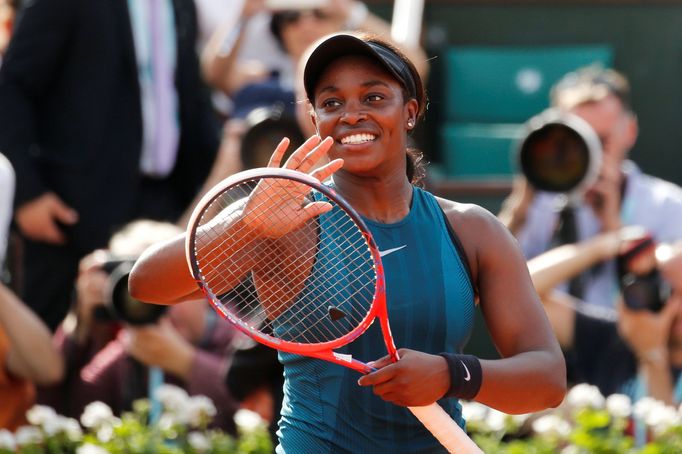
441	259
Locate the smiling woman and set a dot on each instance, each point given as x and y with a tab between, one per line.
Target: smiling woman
440	258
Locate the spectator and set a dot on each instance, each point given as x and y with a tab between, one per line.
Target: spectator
27	357
632	351
78	120
295	30
108	359
622	195
189	344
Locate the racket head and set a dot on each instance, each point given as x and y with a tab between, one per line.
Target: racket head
244	310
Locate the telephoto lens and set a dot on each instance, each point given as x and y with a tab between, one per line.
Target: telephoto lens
121	305
560	152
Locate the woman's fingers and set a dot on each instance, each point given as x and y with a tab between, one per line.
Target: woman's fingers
276	158
314	156
297	157
327	170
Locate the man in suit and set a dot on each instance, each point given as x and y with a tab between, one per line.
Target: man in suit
91	148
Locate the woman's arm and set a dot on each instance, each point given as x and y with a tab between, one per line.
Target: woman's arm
531	374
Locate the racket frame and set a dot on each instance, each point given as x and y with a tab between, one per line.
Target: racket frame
322	350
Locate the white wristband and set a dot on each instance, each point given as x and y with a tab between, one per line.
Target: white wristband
357	16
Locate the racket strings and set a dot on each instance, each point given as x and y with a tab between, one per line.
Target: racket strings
353	317
320	278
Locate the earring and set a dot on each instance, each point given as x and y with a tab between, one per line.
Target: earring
410	124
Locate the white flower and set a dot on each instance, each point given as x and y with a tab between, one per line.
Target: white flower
72	429
474	412
584	395
53	426
662	419
28	435
619	405
247	420
200	409
169	420
39	415
496	420
7	440
105	433
96	414
198	441
88	448
172	397
551	425
645	406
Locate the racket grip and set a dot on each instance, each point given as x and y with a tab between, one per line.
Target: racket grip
445	429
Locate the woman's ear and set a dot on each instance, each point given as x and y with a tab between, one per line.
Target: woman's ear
412	109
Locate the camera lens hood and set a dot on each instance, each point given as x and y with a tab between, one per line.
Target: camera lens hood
559	152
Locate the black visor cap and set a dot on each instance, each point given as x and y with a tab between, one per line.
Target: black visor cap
343	45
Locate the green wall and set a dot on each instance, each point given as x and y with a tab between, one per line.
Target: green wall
647	44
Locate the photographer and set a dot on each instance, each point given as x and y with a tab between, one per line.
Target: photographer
621	195
637	349
111	342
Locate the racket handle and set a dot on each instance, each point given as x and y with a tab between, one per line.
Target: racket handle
445	429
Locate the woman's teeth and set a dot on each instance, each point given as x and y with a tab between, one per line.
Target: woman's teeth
357	138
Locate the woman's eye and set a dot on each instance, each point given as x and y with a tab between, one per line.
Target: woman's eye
374	98
330	103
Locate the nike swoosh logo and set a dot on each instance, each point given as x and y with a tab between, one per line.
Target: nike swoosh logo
468	376
388	251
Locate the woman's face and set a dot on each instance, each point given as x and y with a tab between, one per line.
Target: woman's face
362	107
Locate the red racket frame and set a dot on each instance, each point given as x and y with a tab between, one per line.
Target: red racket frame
324	350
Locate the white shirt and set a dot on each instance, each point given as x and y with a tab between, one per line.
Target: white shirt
648	201
7	181
140	23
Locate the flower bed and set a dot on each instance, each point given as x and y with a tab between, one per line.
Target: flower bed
180	427
586	422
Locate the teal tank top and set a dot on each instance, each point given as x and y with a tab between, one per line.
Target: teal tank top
430	300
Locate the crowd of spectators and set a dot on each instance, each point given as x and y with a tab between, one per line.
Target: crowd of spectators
116	117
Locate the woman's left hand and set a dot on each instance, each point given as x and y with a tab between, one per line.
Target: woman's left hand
417	379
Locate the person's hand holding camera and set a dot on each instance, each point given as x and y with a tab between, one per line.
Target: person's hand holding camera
91	288
159	345
647	332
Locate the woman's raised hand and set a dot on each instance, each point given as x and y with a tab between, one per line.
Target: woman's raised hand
279	206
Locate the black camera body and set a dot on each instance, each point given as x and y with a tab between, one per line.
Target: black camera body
560	152
266	126
642	291
119	305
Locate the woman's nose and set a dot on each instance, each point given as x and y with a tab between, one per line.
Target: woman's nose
353	115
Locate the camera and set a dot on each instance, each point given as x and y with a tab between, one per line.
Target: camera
559	152
119	305
642	290
266	126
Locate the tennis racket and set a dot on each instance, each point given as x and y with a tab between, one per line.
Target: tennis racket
299	284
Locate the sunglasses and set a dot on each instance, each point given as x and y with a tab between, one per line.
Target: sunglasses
293	16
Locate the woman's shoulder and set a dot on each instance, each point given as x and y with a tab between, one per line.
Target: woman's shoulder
467	213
